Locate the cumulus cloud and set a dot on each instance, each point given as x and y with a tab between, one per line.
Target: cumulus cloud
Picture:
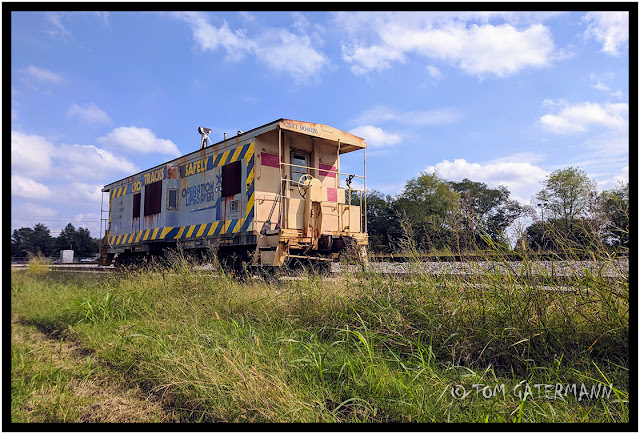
30	155
141	140
22	186
90	113
86	193
579	117
235	43
481	50
611	29
277	48
43	75
376	137
521	177
89	162
280	50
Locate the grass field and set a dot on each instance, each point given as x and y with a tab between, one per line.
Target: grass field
174	345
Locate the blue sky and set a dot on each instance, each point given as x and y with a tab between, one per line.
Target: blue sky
502	98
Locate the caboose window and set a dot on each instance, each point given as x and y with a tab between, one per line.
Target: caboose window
231	179
136	205
172	198
152	198
299	159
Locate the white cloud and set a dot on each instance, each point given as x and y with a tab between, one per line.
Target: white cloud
30	155
43	75
434	72
277	48
90	194
90	162
31	210
141	140
478	49
603	83
438	116
376	57
579	117
521	177
609	28
376	137
90	113
280	50
26	187
621	177
209	37
56	27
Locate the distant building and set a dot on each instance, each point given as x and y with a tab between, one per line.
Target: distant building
66	256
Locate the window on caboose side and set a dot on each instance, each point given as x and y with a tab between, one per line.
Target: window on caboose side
231	179
136	205
152	198
299	158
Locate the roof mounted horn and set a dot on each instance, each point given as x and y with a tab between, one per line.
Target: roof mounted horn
204	133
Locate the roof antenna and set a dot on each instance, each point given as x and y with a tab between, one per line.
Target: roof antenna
204	132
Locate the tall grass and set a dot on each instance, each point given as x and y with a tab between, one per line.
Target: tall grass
357	347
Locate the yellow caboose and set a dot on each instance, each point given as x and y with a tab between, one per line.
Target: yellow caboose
266	196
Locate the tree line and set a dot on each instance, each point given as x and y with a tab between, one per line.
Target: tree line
437	215
38	240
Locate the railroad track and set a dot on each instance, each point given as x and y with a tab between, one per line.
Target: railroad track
542	269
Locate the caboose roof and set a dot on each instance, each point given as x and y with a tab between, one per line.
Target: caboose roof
347	142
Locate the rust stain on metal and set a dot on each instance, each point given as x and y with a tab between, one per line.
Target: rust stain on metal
173	172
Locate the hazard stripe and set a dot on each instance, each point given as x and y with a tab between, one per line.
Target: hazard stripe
155	233
180	232
146	235
191	228
172	234
245	149
235	154
201	230
165	231
246	224
218	228
138	236
212	228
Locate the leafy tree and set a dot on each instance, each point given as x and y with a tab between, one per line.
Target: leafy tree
36	240
382	222
430	206
67	238
614	204
85	245
552	236
19	240
567	194
78	240
484	210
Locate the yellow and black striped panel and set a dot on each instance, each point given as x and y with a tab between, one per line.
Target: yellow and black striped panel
205	229
180	233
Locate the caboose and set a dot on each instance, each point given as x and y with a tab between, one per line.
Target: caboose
265	197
